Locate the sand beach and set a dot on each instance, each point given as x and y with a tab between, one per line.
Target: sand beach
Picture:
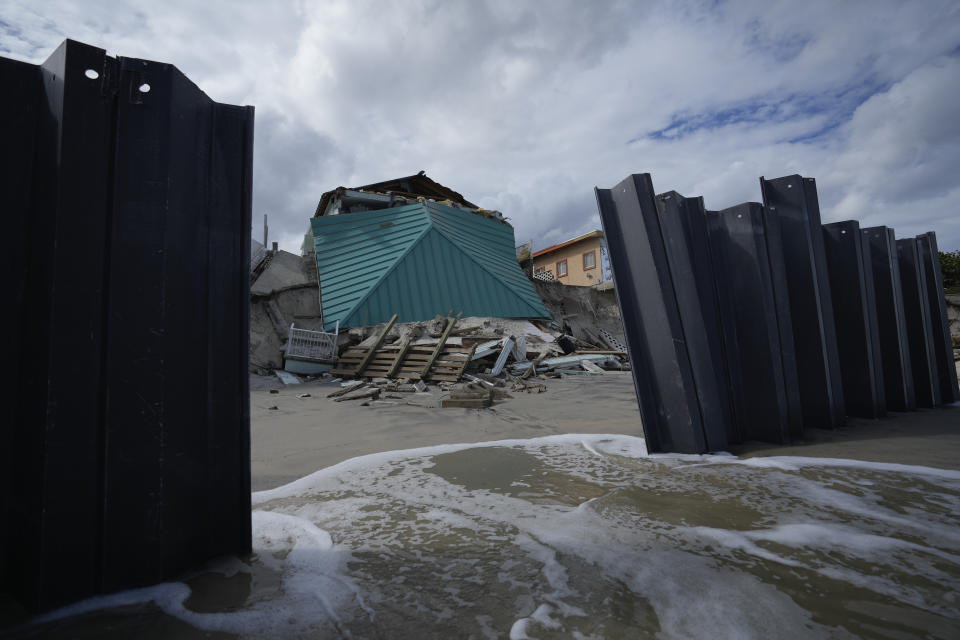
543	517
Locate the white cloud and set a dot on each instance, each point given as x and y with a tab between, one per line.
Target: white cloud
526	106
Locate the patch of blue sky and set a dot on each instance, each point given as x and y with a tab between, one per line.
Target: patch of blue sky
825	111
838	107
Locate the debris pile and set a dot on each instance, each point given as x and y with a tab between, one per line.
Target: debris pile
461	362
283	292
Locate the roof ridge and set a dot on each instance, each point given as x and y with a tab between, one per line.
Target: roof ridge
482	266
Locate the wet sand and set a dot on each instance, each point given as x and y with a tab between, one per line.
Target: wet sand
306	434
303	435
928	437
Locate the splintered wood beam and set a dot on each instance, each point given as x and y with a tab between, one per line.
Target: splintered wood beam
466	361
346	390
373	348
532	368
443	339
395	366
472	403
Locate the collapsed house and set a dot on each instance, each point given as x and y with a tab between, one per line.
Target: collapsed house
392	248
414	286
408	246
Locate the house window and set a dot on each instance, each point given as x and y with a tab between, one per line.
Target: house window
540	269
589	260
561	268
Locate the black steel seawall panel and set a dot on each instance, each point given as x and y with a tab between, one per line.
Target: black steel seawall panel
757	322
942	345
916	304
854	311
894	345
663	366
683	223
54	482
750	277
20	114
794	200
132	198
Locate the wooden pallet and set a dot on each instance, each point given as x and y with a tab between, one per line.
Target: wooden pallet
355	360
426	362
449	364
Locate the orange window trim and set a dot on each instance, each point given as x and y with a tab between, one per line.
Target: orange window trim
565	271
585	267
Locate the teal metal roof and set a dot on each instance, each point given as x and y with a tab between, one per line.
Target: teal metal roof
419	261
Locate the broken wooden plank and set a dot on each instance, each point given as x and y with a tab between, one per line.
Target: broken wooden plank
446	377
346	390
465	404
443	338
401	352
466	361
589	366
536	363
466	394
502	358
375	345
478	380
372	393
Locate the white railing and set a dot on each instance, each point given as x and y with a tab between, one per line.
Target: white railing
546	275
320	346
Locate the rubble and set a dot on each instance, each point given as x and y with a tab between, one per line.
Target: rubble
283	292
584	313
471	363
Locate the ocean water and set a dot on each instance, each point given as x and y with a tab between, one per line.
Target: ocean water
585	536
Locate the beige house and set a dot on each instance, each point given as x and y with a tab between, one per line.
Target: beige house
580	261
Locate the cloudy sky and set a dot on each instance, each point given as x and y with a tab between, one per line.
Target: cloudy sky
525	106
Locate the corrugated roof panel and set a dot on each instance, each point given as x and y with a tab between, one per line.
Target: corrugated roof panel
418	261
433	278
489	242
355	251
